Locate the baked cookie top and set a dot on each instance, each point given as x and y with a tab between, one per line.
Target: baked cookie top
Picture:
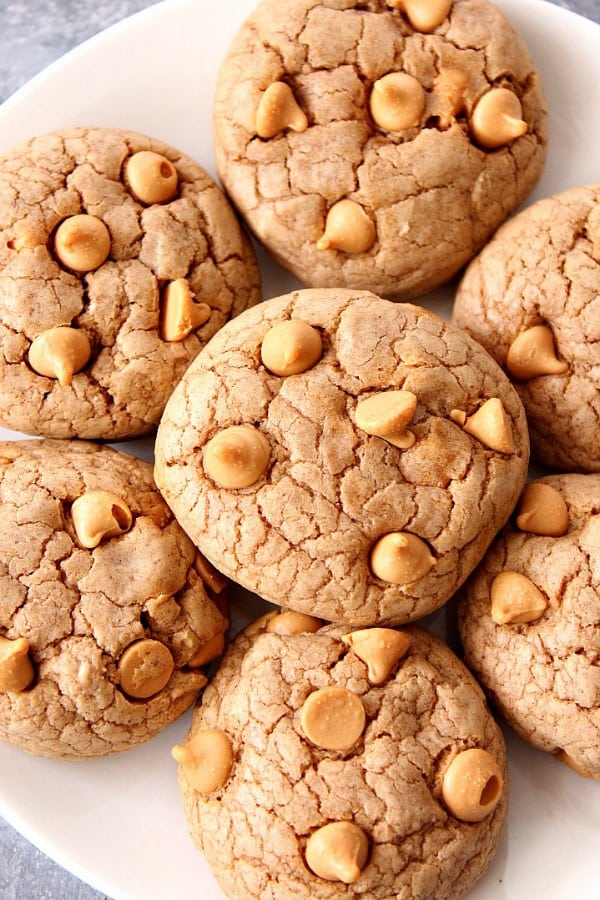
532	298
119	259
107	611
328	764
342	454
530	619
377	145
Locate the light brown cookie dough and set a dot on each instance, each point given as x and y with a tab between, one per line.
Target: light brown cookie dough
411	807
119	259
530	620
369	148
106	609
363	487
532	298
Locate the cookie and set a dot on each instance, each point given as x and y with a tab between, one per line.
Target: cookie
532	298
347	456
107	612
119	259
530	620
329	764
377	145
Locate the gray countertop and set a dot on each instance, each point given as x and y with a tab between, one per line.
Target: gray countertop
32	35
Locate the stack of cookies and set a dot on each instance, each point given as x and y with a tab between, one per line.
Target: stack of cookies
350	457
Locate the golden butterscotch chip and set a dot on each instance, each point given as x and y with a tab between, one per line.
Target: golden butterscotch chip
208	651
16	668
60	353
386	415
447	97
490	425
542	510
347	228
423	15
564	757
289	622
532	353
179	314
152	177
401	558
496	119
333	718
212	578
82	242
206	760
291	347
516	600
379	648
472	785
145	668
237	457
338	852
397	101
98	515
277	110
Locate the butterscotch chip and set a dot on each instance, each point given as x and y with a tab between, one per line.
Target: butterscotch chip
491	426
100	585
363	501
278	110
348	227
531	299
145	668
380	648
472	785
82	243
151	177
119	259
542	510
60	353
237	456
532	354
16	669
401	557
290	622
338	852
98	515
333	718
289	348
516	599
540	670
312	820
205	760
368	117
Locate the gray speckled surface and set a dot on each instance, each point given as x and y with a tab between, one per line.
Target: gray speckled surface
32	35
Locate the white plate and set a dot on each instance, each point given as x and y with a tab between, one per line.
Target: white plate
117	823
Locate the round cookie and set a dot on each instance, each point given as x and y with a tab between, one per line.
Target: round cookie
376	145
362	483
329	764
119	259
107	611
529	620
532	298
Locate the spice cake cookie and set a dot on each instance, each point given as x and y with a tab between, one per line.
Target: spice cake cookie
348	456
377	145
335	763
119	259
107	611
532	298
529	620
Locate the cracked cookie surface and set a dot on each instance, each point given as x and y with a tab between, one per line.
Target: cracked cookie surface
115	381
324	489
281	789
543	675
100	646
426	197
542	270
